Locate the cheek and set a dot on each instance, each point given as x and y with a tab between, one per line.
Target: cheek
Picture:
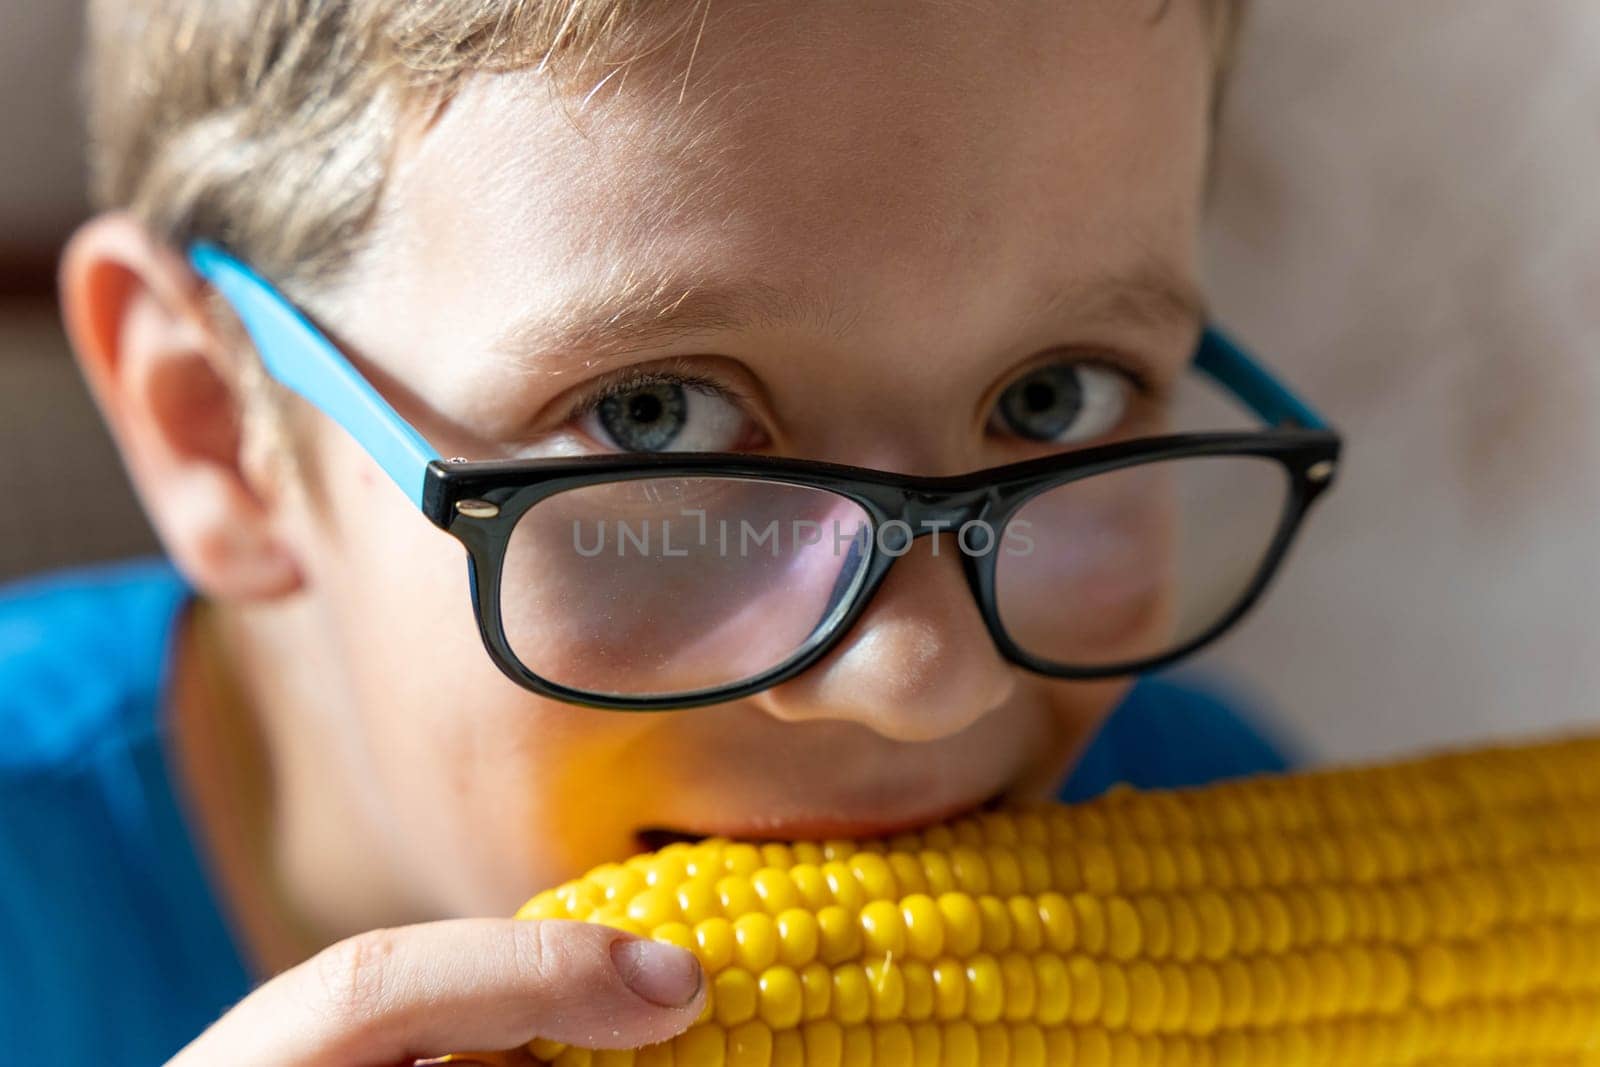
397	584
1077	711
486	790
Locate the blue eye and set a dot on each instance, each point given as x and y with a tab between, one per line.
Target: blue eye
645	419
666	413
1064	403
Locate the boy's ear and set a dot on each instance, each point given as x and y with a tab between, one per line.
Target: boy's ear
137	318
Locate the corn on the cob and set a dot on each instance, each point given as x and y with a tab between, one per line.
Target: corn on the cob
1442	911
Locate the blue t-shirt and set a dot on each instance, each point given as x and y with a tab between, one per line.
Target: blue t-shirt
113	946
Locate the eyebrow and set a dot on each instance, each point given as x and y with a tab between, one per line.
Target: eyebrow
647	314
1152	295
599	328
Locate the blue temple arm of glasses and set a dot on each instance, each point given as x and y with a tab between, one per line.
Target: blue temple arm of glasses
1228	365
300	356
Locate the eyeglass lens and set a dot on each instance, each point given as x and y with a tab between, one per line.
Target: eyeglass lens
673	585
1130	565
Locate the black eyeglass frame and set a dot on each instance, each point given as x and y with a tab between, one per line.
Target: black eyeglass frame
479	503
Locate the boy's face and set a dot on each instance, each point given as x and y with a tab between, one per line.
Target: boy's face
937	197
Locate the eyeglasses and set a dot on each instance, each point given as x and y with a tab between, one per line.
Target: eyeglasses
669	580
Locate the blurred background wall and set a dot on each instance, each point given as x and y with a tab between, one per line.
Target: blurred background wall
1406	226
64	495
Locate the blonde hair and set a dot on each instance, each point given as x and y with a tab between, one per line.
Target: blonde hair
268	124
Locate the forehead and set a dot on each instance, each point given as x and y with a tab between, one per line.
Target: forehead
854	156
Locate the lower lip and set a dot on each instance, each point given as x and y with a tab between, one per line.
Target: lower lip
814	830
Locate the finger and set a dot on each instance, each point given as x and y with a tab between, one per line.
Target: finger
413	992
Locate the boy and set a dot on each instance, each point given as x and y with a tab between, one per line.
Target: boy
918	238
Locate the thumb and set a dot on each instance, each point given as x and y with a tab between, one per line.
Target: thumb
412	992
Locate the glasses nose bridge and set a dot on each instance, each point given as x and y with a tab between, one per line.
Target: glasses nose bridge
927	511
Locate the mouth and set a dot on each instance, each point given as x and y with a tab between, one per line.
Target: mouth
654	838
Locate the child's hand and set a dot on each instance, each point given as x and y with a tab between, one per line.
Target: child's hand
396	995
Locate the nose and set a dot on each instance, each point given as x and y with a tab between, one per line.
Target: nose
918	665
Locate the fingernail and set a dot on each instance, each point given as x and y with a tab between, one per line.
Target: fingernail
662	974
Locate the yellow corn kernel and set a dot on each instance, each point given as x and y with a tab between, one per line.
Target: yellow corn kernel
775	889
755	941
734	994
780	1000
1445	909
883	929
